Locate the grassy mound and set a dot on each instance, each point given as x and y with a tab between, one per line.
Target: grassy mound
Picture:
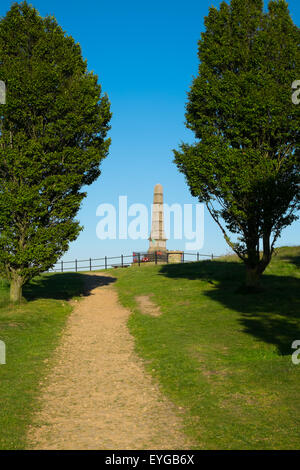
223	357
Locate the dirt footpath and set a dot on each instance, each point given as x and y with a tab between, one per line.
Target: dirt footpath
98	395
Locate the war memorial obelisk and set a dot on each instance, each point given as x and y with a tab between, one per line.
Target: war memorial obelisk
157	239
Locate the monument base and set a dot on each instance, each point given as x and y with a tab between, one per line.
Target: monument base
158	257
158	249
175	256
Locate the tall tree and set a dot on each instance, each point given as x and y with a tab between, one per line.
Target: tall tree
243	164
52	140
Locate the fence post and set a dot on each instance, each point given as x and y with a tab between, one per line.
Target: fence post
212	256
167	257
156	257
90	264
139	258
62	266
105	262
197	255
75	265
182	259
122	262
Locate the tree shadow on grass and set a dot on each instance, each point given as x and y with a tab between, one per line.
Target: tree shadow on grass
294	259
64	286
272	315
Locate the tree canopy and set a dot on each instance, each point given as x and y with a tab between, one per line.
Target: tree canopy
244	163
53	136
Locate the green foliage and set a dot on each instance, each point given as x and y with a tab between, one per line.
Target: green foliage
53	138
244	164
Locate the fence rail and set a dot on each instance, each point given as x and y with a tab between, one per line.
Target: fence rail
124	261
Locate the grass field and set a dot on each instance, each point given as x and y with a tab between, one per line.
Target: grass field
223	356
30	332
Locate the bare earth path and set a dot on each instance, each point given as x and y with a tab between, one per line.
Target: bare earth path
98	395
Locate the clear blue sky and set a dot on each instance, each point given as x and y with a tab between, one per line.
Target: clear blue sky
145	55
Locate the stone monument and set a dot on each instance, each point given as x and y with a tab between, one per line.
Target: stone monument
157	239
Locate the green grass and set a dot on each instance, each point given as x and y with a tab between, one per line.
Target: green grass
223	356
31	332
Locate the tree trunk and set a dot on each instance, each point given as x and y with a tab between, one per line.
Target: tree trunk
252	277
16	289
